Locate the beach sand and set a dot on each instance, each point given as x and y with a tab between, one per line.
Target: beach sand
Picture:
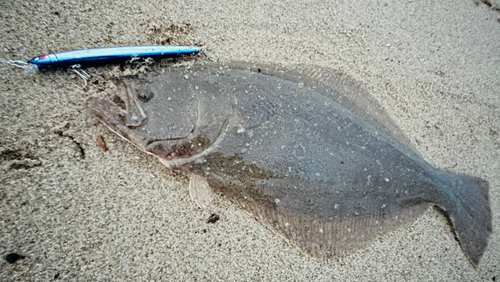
78	213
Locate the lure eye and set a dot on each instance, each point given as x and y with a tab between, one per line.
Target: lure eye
145	96
39	58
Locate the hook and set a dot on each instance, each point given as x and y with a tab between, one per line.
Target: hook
212	57
81	73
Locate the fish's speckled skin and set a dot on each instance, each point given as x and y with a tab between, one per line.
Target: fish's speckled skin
325	178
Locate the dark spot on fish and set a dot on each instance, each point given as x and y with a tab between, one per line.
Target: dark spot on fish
185	149
259	70
56	276
240	178
13	257
56	13
204	231
213	218
101	143
119	102
494	278
235	166
218	245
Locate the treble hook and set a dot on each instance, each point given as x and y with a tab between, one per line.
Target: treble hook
81	73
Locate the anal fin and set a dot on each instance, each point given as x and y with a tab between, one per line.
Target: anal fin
325	239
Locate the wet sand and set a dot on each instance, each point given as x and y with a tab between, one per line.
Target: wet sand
78	213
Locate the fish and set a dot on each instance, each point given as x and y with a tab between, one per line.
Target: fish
326	175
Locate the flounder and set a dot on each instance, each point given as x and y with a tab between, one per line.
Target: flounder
327	177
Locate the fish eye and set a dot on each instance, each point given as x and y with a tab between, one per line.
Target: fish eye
145	96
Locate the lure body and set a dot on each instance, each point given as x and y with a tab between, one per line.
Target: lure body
110	54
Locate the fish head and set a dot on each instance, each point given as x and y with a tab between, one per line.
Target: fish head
159	115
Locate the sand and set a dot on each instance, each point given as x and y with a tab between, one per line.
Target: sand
78	213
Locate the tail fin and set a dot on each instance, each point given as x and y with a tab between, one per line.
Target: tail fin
469	212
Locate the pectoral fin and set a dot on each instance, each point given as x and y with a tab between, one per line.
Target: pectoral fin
199	190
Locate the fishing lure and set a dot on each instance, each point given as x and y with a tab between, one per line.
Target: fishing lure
76	58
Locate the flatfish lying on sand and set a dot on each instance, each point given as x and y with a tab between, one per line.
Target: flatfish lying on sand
323	175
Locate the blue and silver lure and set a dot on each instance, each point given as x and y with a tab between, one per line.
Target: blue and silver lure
108	55
99	56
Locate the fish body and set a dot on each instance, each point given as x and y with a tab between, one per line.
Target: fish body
326	178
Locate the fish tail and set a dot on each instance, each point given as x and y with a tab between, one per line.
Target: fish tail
469	210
